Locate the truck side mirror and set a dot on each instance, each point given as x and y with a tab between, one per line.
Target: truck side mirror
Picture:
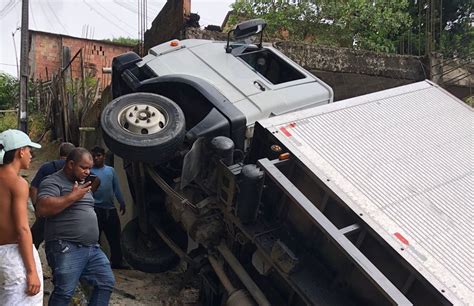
246	29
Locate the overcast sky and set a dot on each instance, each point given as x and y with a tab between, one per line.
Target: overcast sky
103	19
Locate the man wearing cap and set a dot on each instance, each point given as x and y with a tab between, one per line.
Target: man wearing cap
21	277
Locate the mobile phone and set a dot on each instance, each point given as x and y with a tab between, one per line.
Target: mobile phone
91	178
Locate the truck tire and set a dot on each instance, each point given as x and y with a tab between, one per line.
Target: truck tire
143	127
152	256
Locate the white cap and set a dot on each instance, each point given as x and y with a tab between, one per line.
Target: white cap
14	139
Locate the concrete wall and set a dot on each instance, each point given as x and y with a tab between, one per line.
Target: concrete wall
349	72
353	73
46	55
347	85
354	61
196	33
169	24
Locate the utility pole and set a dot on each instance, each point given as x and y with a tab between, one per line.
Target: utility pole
23	111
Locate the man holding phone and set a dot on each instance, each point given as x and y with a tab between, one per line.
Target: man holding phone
48	168
107	216
71	232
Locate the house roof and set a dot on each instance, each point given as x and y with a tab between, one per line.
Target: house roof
84	39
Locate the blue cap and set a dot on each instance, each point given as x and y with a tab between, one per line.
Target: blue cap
15	139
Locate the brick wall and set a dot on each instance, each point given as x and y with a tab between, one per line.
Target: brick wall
46	55
169	23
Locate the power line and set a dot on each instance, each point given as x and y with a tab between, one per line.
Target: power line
56	16
106	18
47	19
123	22
4	9
9	3
6	64
132	9
9	7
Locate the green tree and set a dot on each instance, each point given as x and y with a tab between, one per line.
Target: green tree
366	24
9	91
304	20
457	36
373	25
440	25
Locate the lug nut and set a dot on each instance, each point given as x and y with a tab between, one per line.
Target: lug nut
153	114
146	108
136	108
148	121
130	115
136	121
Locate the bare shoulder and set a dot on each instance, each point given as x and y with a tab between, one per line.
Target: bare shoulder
18	184
12	186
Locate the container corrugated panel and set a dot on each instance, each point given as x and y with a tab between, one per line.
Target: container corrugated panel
403	160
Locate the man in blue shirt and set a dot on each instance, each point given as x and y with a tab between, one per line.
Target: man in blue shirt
107	216
48	168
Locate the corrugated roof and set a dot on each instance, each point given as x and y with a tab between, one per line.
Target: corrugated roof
403	158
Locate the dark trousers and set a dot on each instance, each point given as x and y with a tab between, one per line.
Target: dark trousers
37	231
109	223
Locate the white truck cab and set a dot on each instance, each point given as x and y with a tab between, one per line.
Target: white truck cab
222	88
260	82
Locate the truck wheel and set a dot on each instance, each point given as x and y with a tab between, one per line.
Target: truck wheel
151	255
143	127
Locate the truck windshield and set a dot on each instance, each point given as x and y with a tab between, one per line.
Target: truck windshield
271	66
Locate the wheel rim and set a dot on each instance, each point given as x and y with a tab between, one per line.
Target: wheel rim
142	119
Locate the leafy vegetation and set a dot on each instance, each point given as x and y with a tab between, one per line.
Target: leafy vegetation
9	91
370	25
457	22
9	97
405	26
36	123
124	41
8	121
441	26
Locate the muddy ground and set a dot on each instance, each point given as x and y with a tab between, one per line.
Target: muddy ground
132	287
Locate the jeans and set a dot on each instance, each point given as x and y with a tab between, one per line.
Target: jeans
109	223
72	261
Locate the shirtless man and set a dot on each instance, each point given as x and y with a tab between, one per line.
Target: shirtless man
21	277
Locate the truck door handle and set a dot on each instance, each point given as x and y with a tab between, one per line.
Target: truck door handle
259	85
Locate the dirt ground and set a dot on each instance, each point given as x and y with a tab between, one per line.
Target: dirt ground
132	287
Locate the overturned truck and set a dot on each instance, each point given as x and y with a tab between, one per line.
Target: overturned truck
240	165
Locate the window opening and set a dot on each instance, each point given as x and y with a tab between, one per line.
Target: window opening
270	66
